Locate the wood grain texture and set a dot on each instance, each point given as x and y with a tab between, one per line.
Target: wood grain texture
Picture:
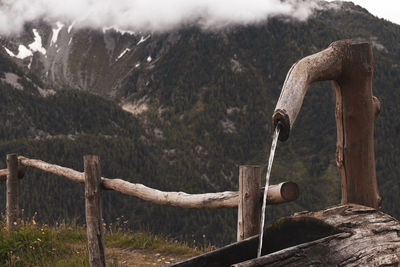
367	238
93	211
349	64
359	108
249	205
71	174
283	192
324	65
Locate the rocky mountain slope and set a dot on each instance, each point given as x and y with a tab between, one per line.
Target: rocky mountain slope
198	105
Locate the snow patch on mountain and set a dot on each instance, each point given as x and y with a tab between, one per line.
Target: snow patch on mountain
30	63
37	46
70	27
10	53
143	39
123	53
23	52
56	31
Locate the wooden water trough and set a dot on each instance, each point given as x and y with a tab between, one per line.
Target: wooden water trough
343	235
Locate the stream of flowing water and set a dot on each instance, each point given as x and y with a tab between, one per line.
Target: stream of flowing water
271	159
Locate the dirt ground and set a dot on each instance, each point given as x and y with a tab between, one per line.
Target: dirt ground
138	257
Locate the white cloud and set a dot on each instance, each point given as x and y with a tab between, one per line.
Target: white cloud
148	15
387	9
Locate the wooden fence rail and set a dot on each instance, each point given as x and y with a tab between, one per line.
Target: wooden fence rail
283	192
247	199
4	173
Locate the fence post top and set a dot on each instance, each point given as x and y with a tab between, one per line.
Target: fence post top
89	156
251	166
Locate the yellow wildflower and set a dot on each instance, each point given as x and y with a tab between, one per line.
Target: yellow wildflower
15	223
38	239
33	221
43	233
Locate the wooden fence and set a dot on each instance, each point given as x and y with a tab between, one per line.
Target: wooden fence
247	199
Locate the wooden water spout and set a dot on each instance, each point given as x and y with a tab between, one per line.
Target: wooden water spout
349	65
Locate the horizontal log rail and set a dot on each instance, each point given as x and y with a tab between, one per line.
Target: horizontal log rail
4	173
283	192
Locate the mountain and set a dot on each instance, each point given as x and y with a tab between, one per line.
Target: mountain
180	111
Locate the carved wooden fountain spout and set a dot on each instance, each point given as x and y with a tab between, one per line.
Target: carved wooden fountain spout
349	65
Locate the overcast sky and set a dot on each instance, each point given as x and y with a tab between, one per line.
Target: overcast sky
387	9
164	15
148	15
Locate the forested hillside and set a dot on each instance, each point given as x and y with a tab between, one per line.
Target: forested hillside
205	101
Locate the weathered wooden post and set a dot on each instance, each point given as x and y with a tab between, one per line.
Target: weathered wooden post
249	207
12	209
93	207
356	109
349	64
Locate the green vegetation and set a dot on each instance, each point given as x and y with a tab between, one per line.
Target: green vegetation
39	245
65	244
